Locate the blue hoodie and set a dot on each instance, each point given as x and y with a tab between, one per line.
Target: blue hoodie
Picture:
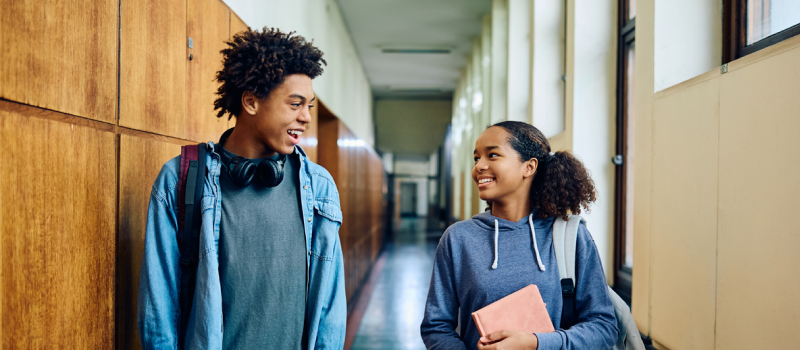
463	278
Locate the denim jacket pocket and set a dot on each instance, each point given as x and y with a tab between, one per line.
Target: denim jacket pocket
328	218
329	209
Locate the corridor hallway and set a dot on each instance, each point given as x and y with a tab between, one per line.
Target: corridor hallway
684	112
397	302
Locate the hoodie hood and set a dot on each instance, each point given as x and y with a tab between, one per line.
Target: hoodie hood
488	221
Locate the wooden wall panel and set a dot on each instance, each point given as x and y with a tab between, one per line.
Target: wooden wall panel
237	25
60	55
140	162
358	173
684	209
153	62
57	222
758	287
207	25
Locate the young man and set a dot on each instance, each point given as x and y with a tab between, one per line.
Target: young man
269	267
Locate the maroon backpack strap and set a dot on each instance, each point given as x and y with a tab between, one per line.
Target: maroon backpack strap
188	153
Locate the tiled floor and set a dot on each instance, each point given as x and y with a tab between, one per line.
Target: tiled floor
395	308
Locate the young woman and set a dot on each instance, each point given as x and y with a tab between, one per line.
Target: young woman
510	246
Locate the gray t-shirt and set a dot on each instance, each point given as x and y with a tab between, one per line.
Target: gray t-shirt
262	262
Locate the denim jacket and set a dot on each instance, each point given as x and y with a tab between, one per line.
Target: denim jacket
158	310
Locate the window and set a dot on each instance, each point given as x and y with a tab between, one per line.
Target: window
751	25
624	160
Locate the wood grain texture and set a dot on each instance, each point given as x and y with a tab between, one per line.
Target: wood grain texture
36	112
237	25
358	173
57	221
207	25
140	162
153	63
60	55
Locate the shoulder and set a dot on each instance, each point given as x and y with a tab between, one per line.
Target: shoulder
459	232
317	170
585	244
584	234
321	182
167	179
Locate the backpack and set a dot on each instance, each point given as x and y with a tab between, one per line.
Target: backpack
565	237
191	178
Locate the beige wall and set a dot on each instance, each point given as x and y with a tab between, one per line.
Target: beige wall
715	266
399	119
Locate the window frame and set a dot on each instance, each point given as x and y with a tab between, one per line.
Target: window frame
734	32
623	275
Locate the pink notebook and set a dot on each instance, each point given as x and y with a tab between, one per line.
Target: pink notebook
523	310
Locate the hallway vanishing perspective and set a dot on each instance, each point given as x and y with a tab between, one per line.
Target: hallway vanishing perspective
394	311
684	112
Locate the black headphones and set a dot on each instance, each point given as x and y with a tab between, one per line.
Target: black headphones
268	173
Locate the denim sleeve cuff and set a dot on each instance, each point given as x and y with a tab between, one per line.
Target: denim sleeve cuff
549	341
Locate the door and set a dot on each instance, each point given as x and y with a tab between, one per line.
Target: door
408	199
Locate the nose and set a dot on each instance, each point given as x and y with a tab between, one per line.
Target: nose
305	116
481	165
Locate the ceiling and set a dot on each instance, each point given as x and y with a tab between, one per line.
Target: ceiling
417	25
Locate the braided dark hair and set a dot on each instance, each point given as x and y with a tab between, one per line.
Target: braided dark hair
259	61
562	185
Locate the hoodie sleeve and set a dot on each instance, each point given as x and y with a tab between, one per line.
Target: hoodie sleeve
597	323
439	324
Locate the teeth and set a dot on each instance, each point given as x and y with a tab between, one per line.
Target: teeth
296	132
484	181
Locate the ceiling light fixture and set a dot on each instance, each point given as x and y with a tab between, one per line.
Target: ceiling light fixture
416	49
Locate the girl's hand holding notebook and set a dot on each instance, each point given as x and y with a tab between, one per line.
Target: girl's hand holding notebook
523	311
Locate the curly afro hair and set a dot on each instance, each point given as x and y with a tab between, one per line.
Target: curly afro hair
562	185
259	61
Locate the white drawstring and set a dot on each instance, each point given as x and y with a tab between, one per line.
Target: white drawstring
496	234
533	237
535	246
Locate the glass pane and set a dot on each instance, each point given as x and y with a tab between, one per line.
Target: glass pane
629	156
631	9
767	17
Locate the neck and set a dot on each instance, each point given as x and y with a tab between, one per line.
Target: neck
244	142
511	211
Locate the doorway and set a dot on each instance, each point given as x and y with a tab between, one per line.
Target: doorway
408	199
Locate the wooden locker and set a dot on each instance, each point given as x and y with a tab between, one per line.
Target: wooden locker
60	55
153	61
237	25
140	162
207	25
57	219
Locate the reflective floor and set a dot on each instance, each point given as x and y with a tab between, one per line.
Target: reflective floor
394	311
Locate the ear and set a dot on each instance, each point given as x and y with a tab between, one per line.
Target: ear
530	167
249	103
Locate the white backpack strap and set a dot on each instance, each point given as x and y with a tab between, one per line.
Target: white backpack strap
565	241
559	236
571	243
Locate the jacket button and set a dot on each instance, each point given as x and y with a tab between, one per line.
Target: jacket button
309	219
305	187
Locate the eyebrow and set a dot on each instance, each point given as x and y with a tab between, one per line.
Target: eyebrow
303	98
488	148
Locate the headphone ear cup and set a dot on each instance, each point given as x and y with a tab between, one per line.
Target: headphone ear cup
242	171
270	173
